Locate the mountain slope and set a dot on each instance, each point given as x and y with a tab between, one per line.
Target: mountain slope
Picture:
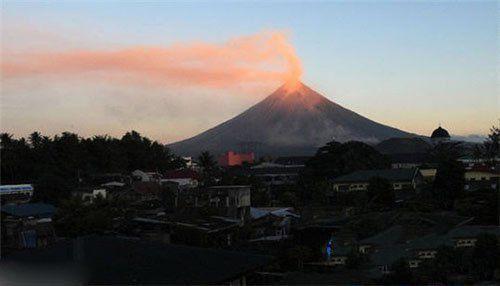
292	120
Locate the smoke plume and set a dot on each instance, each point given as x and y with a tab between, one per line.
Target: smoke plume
260	58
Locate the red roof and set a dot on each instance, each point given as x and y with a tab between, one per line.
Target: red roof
181	174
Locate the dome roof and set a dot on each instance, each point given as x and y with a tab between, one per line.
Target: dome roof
440	133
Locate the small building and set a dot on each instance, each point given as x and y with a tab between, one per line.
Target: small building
16	193
235	200
481	176
231	158
142	176
466	236
27	225
401	179
272	224
276	175
205	231
186	179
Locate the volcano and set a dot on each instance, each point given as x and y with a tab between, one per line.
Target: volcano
293	120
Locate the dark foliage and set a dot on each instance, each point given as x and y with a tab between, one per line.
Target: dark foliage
449	182
56	165
380	193
337	159
480	204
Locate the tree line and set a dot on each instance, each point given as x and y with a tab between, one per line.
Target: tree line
57	164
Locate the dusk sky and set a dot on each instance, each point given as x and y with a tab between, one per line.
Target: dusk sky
172	70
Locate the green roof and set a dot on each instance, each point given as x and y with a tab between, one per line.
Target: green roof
393	175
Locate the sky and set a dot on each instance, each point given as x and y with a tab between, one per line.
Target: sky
173	69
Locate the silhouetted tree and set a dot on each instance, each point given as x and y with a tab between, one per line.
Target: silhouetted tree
337	159
449	183
207	161
380	193
57	165
492	145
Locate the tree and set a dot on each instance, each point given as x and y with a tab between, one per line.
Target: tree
207	161
449	183
492	145
208	164
57	165
380	193
480	204
337	159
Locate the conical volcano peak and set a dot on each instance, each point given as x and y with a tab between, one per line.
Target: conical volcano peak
297	94
293	120
292	86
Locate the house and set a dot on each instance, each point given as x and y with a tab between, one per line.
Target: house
27	225
154	229
271	224
234	200
480	176
89	194
16	193
186	179
142	176
272	174
206	231
401	179
231	158
109	260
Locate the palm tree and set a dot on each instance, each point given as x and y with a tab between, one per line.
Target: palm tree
207	161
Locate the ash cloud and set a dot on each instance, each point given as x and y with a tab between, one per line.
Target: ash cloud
261	58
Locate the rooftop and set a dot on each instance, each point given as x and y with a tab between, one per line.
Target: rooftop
26	210
7	189
393	175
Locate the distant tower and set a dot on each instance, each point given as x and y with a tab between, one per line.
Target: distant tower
440	135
